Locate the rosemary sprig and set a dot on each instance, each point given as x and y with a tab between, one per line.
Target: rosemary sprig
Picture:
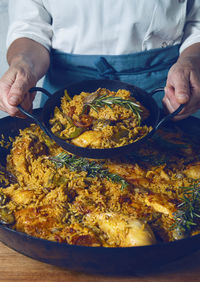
92	168
188	213
105	100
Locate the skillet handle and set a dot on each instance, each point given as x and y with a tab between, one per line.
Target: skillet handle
170	116
157	90
41	89
33	117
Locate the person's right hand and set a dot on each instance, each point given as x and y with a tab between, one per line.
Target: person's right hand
14	87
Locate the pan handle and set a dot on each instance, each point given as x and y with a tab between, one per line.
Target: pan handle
41	89
170	116
33	117
157	90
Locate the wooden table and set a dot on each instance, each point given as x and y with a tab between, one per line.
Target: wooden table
16	267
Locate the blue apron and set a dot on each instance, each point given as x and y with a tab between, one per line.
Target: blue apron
147	70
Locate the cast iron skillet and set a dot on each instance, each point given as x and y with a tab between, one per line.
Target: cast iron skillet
90	86
98	260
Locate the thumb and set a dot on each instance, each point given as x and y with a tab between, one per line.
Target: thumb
182	92
17	92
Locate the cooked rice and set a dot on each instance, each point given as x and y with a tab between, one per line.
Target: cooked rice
107	127
59	204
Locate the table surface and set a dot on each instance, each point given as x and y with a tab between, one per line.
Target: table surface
16	267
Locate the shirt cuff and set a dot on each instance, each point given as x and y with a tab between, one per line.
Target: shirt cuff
11	39
189	41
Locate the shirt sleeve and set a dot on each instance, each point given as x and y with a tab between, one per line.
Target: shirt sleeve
192	25
30	19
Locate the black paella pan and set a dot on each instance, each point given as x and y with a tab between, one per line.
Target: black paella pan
99	260
90	86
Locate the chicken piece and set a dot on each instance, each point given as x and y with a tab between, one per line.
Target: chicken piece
22	197
134	174
19	162
124	231
160	203
24	150
39	221
88	139
193	170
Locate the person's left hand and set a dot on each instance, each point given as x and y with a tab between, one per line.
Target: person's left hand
183	86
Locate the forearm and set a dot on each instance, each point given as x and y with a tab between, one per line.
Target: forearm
30	54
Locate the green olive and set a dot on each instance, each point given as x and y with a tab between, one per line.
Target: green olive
75	133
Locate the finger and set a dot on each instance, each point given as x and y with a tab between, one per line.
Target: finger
181	89
16	93
12	111
170	107
181	115
170	102
169	99
19	88
28	109
27	103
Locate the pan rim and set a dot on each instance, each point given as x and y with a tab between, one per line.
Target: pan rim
164	244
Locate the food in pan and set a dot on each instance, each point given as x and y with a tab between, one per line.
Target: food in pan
102	119
151	196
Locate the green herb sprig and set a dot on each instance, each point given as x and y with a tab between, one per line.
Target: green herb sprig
92	168
105	100
188	212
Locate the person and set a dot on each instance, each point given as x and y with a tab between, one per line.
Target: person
146	43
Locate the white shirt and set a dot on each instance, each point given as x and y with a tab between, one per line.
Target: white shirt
106	27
